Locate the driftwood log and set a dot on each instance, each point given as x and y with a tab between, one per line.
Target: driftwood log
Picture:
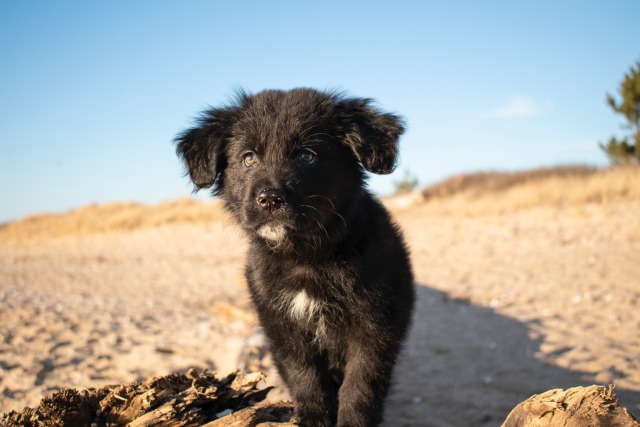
201	399
593	406
176	400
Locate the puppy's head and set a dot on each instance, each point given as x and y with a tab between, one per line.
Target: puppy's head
290	164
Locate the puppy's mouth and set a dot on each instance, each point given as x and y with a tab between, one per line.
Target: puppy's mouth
273	232
292	225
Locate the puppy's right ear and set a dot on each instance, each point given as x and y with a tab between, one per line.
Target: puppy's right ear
203	147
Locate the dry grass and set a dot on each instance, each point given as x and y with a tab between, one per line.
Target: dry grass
483	183
501	193
112	217
462	195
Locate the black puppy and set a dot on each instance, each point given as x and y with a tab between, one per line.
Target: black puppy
327	268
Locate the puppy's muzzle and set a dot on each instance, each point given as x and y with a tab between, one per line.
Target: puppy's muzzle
270	199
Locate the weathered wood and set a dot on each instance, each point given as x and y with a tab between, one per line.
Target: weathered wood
267	414
594	406
201	399
175	400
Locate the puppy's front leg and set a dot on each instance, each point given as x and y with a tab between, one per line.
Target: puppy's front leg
366	382
310	385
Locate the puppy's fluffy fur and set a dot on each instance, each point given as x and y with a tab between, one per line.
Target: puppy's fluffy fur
327	268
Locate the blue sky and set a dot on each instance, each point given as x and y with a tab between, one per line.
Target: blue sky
92	93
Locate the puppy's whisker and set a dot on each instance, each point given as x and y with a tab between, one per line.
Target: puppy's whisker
316	238
318	221
333	211
344	221
324	197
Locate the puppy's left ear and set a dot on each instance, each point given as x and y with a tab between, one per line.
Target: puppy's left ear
371	134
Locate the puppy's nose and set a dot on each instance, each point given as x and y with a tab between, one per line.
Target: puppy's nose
270	199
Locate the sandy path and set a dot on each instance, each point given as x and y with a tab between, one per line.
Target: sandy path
514	305
107	309
509	305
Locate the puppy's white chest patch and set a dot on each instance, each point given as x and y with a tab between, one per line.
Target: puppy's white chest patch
303	307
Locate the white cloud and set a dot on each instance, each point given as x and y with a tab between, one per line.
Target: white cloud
520	106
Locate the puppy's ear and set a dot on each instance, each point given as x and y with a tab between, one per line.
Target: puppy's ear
203	147
371	134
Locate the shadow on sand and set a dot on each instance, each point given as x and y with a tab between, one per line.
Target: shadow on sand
465	365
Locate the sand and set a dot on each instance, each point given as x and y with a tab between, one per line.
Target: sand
510	304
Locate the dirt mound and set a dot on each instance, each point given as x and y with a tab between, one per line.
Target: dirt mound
194	399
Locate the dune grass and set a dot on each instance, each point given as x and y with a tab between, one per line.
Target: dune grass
113	217
483	183
467	194
505	192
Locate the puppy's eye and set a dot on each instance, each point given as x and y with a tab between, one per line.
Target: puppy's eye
249	158
307	157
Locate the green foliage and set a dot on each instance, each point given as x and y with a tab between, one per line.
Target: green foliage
407	184
621	152
626	150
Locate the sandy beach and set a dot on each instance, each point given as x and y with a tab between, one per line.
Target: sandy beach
513	299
